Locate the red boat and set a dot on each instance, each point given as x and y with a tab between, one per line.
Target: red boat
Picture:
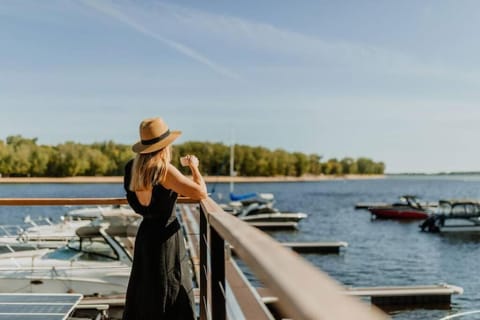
408	208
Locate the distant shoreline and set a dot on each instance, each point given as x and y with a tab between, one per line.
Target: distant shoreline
208	179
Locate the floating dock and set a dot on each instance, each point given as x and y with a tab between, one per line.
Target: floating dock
395	296
312	247
316	247
274	225
407	295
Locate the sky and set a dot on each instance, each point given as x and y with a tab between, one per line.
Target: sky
394	81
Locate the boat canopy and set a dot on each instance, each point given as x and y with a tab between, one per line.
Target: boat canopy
127	230
239	197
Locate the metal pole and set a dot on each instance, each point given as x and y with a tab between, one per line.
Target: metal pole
217	262
203	266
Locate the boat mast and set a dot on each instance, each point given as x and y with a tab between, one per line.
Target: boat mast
232	172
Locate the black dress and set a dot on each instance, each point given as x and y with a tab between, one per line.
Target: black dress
160	285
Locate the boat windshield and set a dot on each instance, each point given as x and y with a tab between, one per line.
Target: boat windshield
86	249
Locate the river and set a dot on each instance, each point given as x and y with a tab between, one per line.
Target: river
379	252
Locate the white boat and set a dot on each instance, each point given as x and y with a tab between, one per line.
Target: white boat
46	234
97	263
261	209
34	235
109	213
454	216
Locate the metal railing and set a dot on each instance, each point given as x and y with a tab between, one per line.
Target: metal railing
304	291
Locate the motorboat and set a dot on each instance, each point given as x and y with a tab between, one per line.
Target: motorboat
106	213
454	216
259	207
34	235
46	234
409	207
96	263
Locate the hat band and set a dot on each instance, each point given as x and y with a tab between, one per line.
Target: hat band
157	139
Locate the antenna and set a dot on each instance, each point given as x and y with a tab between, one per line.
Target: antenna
232	162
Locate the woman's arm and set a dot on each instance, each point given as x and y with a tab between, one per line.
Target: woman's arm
194	188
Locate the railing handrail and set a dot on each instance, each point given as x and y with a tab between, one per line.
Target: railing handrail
71	201
304	291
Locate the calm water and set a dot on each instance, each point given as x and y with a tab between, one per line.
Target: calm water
380	253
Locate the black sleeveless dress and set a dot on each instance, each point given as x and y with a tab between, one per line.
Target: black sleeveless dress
160	285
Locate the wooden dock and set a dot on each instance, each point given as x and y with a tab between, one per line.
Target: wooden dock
312	247
395	296
265	225
316	247
407	295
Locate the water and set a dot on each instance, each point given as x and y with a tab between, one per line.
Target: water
379	253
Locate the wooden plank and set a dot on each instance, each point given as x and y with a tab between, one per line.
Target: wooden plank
250	302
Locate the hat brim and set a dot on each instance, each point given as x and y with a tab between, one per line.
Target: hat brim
141	148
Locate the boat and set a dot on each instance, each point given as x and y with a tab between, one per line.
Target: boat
261	209
46	234
454	216
408	208
97	263
108	213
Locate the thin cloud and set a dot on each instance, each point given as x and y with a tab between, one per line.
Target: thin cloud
300	49
179	47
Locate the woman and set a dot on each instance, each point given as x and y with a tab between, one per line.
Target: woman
160	285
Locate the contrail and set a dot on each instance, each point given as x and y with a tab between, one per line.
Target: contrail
183	49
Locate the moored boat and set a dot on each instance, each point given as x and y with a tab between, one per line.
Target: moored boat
260	208
454	216
97	263
408	208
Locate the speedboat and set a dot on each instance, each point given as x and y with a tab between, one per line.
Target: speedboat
97	263
409	207
260	208
454	216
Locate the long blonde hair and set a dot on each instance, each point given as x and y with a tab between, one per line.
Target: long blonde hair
149	169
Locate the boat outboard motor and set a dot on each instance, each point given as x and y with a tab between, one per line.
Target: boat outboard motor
430	224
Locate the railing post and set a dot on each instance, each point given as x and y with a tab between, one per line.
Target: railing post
203	266
217	274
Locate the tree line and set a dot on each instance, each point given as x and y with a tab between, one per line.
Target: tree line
23	157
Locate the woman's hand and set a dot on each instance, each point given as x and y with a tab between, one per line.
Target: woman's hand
190	160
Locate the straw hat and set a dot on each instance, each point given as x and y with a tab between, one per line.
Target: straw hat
154	135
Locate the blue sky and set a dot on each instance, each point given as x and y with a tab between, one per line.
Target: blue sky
395	81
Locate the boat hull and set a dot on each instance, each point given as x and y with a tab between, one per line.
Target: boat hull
25	282
274	217
399	213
